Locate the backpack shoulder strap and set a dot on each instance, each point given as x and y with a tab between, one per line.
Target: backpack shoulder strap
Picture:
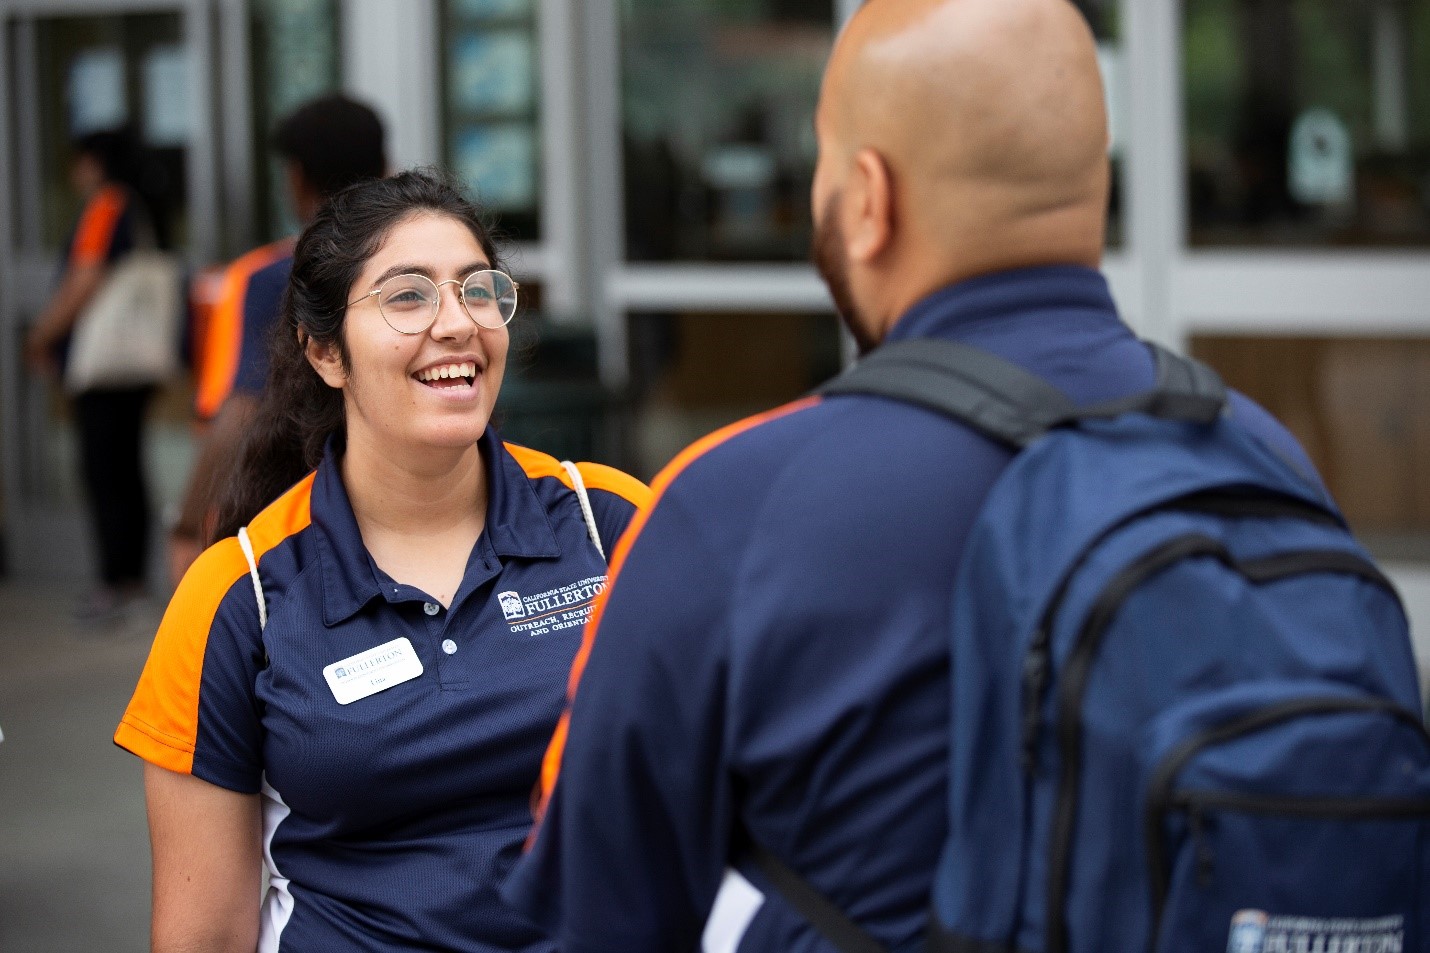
821	913
1186	390
579	485
246	545
985	392
1009	404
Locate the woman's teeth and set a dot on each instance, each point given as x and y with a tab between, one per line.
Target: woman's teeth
446	371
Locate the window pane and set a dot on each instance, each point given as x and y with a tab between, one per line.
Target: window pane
295	58
1308	121
99	73
694	372
491	128
1361	408
718	119
1102	16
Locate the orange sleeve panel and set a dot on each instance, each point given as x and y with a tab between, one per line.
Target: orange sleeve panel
597	476
161	723
95	232
223	338
537	464
289	514
551	762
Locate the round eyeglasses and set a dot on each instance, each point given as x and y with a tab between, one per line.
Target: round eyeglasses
409	303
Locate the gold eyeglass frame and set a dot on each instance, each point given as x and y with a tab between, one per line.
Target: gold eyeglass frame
515	290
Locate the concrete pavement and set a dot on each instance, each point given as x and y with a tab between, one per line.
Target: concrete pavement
74	850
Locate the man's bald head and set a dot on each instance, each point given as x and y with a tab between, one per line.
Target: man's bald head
985	119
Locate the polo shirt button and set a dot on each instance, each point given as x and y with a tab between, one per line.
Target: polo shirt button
449	646
431	608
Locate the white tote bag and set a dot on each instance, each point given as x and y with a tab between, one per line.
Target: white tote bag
128	335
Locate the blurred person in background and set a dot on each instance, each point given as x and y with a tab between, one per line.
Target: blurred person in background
122	209
371	721
326	145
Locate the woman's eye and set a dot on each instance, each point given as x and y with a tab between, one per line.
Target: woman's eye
406	298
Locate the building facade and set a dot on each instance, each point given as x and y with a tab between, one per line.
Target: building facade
650	161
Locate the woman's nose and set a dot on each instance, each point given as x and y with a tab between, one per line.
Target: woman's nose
452	317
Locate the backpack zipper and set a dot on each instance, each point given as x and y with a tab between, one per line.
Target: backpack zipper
1223	502
1069	727
1162	799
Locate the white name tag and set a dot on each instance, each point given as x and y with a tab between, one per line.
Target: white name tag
375	670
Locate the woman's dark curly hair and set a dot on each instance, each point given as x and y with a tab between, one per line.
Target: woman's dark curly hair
299	412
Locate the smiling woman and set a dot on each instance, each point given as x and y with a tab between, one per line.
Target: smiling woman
358	690
391	401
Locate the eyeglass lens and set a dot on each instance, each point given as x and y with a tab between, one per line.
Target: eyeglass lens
410	302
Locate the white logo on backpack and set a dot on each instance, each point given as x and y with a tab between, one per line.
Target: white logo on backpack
1255	931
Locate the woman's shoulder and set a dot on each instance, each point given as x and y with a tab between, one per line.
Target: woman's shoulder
289	514
225	562
596	476
206	582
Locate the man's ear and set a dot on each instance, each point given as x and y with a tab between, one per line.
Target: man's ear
325	360
870	205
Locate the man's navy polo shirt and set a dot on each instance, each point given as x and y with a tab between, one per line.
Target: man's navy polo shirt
774	648
262	303
388	821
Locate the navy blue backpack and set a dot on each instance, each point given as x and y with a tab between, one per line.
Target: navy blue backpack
1185	711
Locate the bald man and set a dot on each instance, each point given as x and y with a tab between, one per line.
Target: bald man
771	661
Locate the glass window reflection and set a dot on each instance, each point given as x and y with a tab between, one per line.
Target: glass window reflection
717	116
295	58
717	108
693	372
1308	121
1102	16
106	72
491	107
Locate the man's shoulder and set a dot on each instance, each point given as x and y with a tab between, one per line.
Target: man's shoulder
868	453
275	271
257	260
267	279
1264	425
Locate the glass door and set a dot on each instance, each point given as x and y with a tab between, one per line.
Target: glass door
66	73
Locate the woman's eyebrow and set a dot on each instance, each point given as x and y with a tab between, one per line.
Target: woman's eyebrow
424	271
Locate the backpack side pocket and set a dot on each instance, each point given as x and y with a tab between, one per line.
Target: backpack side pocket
1297	821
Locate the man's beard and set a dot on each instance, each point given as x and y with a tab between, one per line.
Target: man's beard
827	251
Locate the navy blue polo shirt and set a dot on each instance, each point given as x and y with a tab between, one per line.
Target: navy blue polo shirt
773	650
389	820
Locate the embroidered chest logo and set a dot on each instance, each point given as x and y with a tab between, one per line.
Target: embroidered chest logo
511	606
565	607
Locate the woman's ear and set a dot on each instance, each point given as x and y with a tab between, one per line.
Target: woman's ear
326	360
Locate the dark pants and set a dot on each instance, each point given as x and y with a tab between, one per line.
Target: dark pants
111	431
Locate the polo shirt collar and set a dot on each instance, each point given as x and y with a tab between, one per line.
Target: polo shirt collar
517	521
951	311
517	526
